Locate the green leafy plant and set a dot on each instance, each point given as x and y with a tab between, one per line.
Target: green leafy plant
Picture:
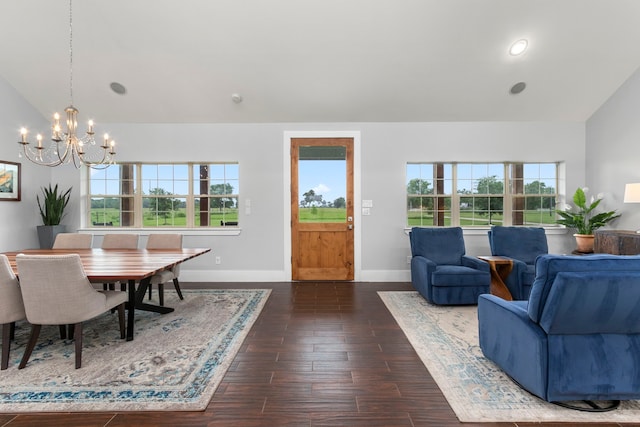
583	219
53	204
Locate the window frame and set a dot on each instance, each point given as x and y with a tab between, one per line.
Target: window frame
514	196
136	196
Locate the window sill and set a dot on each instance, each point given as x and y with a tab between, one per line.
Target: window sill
476	231
218	231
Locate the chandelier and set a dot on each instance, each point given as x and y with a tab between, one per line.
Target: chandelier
66	146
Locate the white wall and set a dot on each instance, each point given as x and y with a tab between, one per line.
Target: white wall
613	150
19	219
257	253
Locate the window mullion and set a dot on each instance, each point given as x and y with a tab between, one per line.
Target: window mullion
455	197
137	199
507	203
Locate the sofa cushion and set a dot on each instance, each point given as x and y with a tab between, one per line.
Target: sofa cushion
457	275
442	245
548	267
523	243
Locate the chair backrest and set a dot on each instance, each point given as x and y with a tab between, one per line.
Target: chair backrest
586	294
522	243
120	241
442	245
164	241
73	241
56	290
11	305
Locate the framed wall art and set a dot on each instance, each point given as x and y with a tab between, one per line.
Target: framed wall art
9	181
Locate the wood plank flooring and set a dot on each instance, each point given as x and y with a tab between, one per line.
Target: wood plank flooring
320	354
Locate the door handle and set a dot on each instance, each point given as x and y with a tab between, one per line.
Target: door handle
350	226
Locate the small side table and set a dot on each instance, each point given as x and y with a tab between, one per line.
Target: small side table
500	268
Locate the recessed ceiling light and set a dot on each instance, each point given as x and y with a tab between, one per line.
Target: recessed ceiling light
237	98
118	88
518	47
517	88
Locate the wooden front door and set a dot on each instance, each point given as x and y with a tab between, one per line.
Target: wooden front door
322	209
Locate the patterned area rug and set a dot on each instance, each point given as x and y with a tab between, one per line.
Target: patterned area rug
175	362
446	339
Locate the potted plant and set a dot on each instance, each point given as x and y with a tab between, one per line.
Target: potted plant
52	209
584	219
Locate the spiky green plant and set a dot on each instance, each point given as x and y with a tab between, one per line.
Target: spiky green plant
584	220
53	204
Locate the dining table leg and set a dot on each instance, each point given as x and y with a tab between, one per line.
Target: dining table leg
131	308
139	298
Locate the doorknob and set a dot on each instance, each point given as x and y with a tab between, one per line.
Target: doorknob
350	226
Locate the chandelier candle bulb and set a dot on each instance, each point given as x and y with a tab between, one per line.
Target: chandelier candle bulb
23	133
39	138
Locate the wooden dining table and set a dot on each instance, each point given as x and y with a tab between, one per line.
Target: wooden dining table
123	265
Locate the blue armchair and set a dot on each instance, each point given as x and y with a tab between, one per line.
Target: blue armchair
523	245
441	271
578	335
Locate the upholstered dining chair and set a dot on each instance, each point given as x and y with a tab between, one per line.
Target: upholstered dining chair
119	241
165	241
56	291
11	307
73	241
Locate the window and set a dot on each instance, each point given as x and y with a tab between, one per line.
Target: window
164	195
481	194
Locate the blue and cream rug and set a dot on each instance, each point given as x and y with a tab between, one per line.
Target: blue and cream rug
174	363
446	339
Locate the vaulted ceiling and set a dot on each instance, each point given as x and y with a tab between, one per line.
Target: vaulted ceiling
320	60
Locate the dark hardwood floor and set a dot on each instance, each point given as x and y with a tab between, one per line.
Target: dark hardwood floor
320	354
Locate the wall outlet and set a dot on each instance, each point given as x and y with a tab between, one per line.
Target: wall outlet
218	260
408	259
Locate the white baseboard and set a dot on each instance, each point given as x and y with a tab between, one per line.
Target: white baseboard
281	276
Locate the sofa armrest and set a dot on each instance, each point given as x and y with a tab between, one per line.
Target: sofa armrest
421	270
473	262
513	341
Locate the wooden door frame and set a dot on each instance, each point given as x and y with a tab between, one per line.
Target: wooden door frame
357	199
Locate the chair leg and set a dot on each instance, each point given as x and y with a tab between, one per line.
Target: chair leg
71	331
77	332
176	285
161	293
121	320
63	332
13	330
105	286
6	342
33	338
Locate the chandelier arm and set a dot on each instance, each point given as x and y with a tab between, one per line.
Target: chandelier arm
32	157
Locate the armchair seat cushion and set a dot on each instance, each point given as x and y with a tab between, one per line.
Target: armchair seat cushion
457	275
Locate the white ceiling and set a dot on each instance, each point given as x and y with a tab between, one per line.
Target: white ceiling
320	60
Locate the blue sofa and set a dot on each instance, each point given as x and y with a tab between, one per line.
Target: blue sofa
441	271
578	335
522	245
